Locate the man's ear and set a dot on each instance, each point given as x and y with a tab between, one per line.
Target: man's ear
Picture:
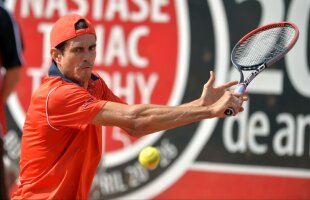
56	55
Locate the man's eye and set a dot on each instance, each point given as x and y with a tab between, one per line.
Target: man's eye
78	50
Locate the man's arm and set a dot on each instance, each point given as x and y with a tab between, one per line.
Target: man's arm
143	119
11	53
10	80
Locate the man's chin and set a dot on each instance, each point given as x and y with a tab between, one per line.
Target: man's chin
85	78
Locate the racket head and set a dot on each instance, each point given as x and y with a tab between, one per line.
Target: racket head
264	45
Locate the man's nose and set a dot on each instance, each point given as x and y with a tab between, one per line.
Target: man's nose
88	56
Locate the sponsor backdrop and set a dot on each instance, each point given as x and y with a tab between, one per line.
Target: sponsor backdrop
161	51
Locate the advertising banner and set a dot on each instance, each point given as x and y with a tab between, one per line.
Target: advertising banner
161	52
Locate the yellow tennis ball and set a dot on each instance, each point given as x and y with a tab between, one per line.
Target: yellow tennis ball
149	157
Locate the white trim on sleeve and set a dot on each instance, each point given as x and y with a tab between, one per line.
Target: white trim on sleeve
46	112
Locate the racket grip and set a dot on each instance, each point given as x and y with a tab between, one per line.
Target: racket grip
239	89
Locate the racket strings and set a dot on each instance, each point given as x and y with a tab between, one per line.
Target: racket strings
263	46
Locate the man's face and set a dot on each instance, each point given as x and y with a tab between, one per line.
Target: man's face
78	58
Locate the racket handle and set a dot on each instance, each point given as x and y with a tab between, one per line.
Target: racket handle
239	89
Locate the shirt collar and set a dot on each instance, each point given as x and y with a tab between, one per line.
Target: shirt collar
54	71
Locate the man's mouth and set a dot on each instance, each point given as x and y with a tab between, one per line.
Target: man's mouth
86	67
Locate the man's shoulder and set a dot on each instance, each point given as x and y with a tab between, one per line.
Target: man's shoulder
56	85
5	18
60	89
3	12
57	81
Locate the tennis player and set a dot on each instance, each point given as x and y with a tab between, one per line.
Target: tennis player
61	142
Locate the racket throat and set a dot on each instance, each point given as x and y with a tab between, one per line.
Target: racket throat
258	70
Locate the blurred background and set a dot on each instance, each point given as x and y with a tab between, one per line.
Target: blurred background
161	52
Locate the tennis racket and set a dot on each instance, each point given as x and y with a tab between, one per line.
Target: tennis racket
260	49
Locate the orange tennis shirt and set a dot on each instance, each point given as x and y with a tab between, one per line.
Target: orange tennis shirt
61	149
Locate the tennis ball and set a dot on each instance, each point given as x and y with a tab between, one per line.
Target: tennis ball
149	157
